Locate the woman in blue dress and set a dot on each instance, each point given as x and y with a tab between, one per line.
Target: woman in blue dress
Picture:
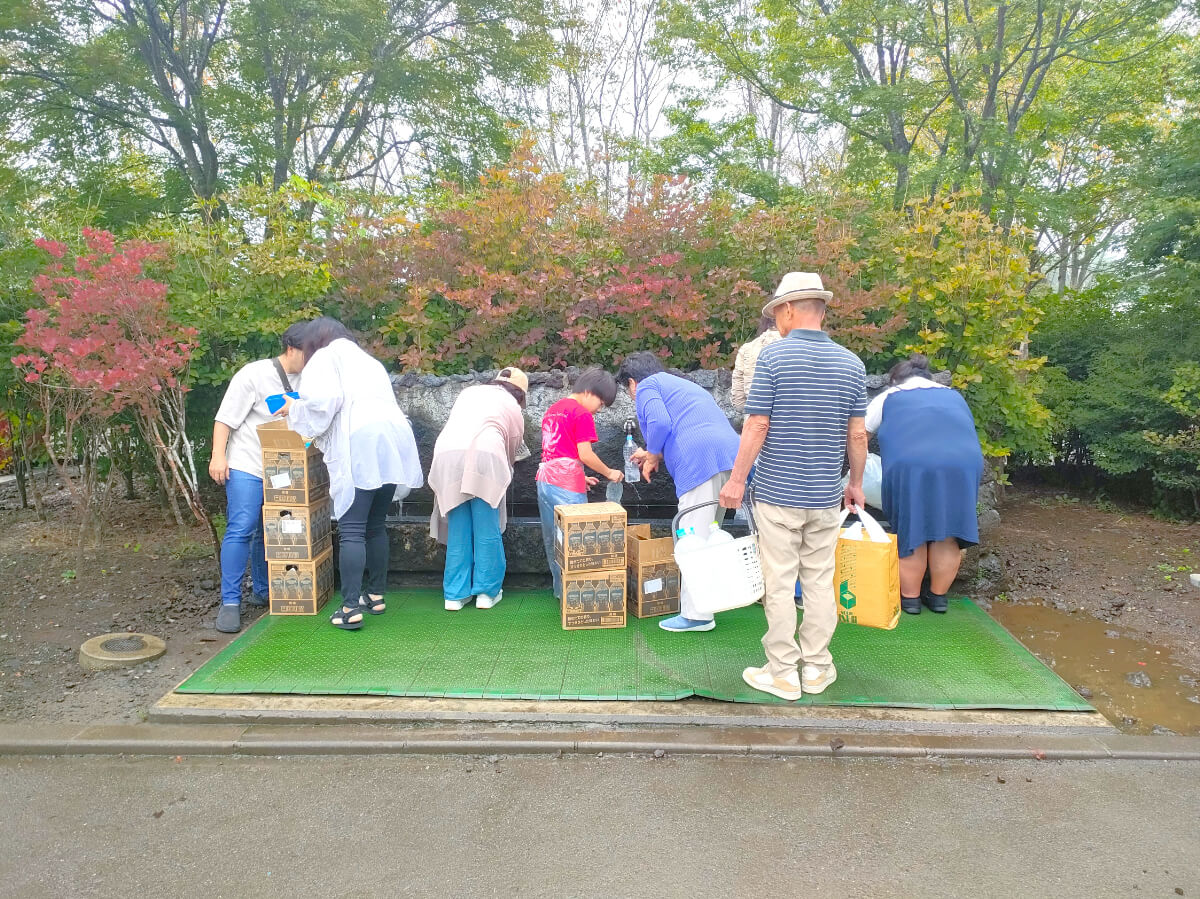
932	466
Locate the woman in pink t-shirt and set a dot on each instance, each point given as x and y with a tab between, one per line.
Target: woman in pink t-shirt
568	432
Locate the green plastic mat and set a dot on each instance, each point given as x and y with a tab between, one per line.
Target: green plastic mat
518	650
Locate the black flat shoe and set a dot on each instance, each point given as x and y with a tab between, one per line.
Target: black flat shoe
935	603
911	605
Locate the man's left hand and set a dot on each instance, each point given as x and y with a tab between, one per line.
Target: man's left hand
855	498
732	495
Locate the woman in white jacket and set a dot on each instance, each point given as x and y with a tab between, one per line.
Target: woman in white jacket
349	411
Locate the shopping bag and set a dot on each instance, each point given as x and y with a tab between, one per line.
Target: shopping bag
867	576
872	480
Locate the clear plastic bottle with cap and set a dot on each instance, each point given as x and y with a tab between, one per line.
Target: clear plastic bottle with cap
688	541
632	474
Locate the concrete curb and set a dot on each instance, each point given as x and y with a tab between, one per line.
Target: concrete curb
177	708
202	739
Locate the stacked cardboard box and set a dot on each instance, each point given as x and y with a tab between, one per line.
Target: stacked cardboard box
589	543
654	579
297	522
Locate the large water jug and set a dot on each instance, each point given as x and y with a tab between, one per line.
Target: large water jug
716	536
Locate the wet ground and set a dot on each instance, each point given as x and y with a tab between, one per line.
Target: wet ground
1102	595
1140	688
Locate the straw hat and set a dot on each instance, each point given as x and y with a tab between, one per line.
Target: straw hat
797	286
514	376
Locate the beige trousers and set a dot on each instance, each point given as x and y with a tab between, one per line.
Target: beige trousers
797	544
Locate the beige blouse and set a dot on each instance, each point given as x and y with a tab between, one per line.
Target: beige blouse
744	364
474	453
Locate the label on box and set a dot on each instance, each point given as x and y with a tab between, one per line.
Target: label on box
291	526
281	480
652	586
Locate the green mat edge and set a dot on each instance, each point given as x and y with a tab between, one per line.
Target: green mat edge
1078	704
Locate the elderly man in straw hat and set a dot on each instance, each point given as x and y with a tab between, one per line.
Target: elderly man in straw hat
805	413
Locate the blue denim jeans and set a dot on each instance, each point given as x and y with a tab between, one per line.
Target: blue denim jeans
474	551
243	540
548	497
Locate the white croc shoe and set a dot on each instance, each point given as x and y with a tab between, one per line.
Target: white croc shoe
455	605
483	601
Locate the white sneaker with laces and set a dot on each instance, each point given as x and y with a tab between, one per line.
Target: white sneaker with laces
817	679
483	601
783	687
455	605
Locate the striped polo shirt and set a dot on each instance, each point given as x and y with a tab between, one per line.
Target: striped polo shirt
810	387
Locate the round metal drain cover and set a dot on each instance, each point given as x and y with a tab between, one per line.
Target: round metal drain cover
119	651
123	644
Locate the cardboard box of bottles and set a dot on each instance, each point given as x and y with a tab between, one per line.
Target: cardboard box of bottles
302	587
590	537
654	578
594	599
297	532
292	473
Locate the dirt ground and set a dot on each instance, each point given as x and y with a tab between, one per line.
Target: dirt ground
146	576
1097	592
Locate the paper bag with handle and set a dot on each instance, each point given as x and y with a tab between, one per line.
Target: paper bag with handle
867	578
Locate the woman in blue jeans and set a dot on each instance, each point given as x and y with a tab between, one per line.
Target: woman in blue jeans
568	432
471	470
349	409
237	465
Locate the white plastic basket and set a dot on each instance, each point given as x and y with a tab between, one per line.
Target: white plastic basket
725	576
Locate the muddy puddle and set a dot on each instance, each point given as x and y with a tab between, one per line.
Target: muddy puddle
1132	683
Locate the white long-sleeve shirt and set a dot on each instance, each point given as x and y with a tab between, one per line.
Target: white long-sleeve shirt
350	412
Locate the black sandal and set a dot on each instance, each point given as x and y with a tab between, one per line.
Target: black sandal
341	618
372	605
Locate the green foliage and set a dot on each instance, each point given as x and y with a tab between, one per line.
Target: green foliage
970	303
260	90
240	279
1119	386
526	269
723	156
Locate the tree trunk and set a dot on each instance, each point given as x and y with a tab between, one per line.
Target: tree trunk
26	455
19	466
901	192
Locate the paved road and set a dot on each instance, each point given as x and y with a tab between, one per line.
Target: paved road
605	827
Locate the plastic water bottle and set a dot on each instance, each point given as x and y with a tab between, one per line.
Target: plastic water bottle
632	474
716	536
689	541
613	491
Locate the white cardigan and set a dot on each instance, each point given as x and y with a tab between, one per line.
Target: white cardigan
350	412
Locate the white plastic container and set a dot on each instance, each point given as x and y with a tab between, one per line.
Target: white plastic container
721	572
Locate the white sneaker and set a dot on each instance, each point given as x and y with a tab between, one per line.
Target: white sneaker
455	605
817	679
483	601
783	687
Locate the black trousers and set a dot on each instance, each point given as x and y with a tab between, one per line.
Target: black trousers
364	543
